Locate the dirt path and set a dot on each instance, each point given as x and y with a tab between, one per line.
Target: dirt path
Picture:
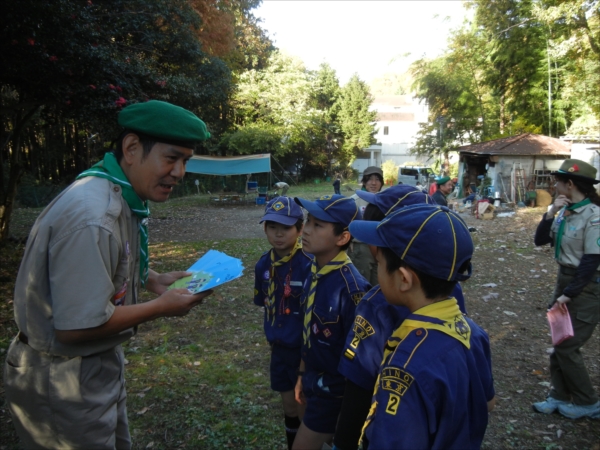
507	295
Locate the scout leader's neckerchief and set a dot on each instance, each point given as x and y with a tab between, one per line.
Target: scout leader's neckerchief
340	260
561	220
110	169
270	303
444	316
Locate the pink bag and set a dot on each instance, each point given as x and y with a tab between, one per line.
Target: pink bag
561	327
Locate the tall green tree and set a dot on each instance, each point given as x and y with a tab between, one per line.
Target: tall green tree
95	58
356	120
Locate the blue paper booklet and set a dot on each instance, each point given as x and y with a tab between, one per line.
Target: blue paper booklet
213	269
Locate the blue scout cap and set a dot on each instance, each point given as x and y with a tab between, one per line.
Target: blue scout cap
395	197
282	210
429	238
164	121
332	208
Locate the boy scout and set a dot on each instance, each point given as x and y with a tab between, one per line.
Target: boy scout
76	292
279	277
435	379
375	322
331	295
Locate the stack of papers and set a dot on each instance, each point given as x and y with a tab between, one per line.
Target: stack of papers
213	269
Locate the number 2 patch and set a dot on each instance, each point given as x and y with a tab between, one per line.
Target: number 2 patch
392	405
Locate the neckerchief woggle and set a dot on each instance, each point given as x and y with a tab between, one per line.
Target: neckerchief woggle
270	303
444	316
561	219
110	169
340	260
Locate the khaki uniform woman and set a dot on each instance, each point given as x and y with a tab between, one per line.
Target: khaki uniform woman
575	235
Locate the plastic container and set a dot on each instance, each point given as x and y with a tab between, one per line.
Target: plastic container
261	200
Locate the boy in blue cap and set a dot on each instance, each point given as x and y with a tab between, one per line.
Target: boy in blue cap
278	286
331	295
374	323
435	384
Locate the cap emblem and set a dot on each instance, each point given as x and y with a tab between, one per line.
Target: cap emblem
325	197
277	206
574	168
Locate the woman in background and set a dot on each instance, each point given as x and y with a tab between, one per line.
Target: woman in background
372	181
575	235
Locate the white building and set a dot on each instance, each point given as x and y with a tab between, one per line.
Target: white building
398	118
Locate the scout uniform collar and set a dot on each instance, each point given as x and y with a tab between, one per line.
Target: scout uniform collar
444	316
340	260
110	169
287	289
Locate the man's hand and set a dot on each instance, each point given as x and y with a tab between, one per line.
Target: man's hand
179	302
175	302
298	394
160	282
562	303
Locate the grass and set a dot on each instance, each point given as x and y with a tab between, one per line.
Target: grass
199	381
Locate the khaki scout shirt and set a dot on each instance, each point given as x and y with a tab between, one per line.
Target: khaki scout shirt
82	258
581	235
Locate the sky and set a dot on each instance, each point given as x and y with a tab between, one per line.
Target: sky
367	37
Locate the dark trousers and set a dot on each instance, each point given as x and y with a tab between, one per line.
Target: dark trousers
570	378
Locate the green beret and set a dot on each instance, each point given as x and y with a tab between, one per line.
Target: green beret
164	121
577	169
442	180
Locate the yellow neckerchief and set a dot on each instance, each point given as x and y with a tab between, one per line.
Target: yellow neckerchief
340	260
444	316
271	291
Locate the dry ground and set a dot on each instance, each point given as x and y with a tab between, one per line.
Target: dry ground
507	295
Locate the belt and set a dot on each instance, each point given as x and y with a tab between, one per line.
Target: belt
23	338
571	271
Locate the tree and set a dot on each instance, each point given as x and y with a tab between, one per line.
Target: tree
356	121
95	59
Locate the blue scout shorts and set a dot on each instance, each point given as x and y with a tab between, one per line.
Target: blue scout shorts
322	413
284	368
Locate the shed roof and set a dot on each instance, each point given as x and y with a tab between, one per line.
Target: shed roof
522	145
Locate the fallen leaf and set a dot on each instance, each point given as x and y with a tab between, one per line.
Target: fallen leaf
142	411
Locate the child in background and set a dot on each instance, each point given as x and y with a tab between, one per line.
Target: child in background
331	295
374	323
278	286
435	382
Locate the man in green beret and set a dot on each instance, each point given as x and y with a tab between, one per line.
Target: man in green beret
76	294
444	188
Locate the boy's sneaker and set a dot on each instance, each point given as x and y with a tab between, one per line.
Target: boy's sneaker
573	411
548	406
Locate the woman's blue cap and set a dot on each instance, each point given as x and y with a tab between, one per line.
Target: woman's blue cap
395	197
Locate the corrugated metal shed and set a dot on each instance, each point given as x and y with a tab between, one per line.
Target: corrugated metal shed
522	145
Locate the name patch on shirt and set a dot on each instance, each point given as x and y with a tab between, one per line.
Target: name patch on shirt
296	283
395	380
362	330
357	297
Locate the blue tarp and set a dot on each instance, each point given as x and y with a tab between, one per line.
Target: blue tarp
235	165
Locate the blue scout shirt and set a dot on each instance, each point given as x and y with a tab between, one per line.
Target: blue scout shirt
335	302
375	322
432	393
286	330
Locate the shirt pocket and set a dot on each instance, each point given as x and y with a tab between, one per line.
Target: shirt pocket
326	315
